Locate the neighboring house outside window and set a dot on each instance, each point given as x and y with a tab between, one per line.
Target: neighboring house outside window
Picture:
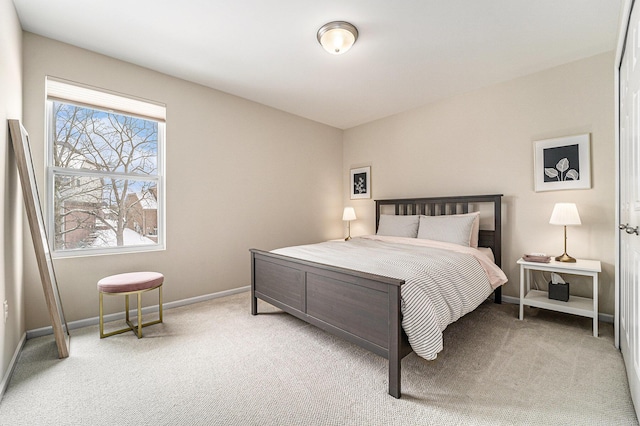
142	207
105	171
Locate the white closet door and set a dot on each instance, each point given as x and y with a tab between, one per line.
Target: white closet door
629	204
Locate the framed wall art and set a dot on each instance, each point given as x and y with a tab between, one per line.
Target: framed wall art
562	163
361	183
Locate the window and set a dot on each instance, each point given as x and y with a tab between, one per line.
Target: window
105	171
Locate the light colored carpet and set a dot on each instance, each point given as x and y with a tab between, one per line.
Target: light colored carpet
213	363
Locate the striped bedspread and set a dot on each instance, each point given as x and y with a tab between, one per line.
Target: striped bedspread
443	281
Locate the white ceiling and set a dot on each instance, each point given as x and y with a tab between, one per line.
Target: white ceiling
409	53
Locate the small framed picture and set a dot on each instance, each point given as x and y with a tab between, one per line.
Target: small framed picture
361	183
562	163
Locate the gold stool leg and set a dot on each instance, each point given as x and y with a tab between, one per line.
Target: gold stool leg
102	336
127	307
139	315
160	313
160	301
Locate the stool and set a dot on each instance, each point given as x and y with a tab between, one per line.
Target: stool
125	285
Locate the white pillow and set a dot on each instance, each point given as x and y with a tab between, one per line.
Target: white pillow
475	230
398	225
455	229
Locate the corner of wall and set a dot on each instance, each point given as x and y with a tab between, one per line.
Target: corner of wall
13	327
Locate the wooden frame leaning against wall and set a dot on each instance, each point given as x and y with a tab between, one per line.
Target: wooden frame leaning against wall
22	150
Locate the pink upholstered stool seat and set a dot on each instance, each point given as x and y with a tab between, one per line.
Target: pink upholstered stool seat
125	285
132	281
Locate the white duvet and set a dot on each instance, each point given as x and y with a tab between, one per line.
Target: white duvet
443	281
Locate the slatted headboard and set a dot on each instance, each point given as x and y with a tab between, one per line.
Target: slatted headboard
452	205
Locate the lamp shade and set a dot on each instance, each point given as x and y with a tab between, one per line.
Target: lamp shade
565	214
349	214
337	37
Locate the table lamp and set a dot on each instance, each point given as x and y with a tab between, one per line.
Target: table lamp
565	214
348	215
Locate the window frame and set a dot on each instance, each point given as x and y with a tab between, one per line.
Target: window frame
92	98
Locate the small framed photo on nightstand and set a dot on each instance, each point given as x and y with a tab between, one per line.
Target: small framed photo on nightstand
361	183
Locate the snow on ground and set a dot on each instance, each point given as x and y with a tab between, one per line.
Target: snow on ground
107	238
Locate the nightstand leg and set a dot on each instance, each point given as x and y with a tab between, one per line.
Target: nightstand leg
595	305
522	273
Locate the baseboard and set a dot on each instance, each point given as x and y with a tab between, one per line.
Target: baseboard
149	309
12	366
516	301
146	310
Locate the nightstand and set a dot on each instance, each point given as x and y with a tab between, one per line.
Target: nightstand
584	306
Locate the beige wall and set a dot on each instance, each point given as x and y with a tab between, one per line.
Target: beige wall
13	329
263	178
482	143
245	174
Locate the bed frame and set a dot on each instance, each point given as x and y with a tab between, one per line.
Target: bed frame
362	308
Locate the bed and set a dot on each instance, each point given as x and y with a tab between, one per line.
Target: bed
366	308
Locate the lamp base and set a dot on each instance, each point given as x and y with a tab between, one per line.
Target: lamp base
565	258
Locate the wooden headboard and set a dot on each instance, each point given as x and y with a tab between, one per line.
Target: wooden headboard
452	205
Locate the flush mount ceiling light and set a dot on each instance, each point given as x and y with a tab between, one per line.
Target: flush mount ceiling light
337	37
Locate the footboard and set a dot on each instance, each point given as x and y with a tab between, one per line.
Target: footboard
361	308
